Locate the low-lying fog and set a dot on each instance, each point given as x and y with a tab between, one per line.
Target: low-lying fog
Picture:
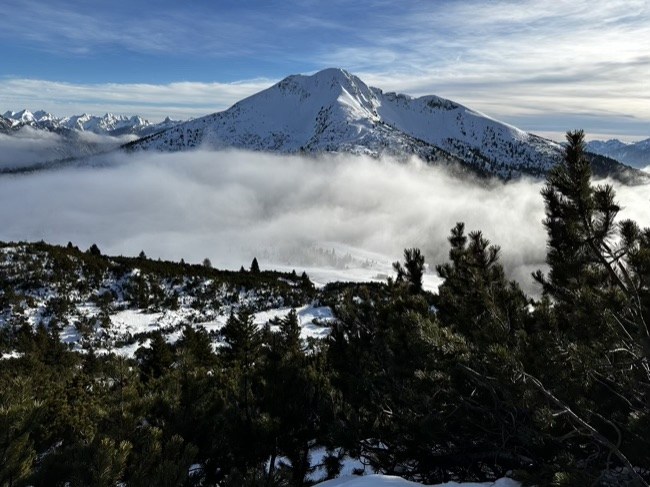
27	146
338	217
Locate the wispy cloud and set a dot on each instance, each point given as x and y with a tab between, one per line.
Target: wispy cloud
514	60
82	28
178	100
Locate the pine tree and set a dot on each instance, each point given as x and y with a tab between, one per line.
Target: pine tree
412	270
245	428
156	359
196	344
255	267
598	284
475	298
107	462
159	461
94	250
294	399
18	412
243	338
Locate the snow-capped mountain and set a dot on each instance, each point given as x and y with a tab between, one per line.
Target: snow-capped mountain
40	140
108	124
334	110
635	154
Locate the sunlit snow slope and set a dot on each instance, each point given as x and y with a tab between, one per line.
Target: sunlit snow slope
335	111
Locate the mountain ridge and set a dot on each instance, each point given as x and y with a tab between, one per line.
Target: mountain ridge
107	124
335	111
330	111
634	154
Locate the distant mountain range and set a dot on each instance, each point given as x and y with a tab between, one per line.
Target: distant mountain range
636	154
42	140
335	111
109	124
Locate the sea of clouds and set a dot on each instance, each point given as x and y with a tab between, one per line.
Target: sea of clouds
29	147
289	211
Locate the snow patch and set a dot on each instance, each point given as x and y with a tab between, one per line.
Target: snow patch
390	481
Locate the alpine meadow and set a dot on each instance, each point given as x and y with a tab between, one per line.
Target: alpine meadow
239	277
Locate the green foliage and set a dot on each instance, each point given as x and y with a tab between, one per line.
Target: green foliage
412	270
475	298
18	413
595	329
156	359
159	461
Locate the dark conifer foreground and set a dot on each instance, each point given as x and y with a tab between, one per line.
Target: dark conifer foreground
474	383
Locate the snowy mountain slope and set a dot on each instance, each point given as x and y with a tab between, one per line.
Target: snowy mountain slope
635	154
333	110
108	124
39	140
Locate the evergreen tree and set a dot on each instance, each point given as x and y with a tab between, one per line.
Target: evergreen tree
107	462
159	461
94	250
245	428
255	267
156	359
412	270
475	297
18	413
597	377
294	398
244	340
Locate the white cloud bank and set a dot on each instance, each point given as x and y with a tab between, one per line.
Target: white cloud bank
29	147
231	206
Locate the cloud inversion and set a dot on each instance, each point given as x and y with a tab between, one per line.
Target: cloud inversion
231	206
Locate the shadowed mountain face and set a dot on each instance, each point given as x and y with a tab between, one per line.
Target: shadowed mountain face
5	125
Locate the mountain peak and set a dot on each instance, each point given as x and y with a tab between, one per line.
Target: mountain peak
334	111
108	123
338	74
24	116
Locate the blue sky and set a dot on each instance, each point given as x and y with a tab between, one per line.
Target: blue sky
543	66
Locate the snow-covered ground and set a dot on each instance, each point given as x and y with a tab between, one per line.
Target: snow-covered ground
389	481
358	265
313	322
